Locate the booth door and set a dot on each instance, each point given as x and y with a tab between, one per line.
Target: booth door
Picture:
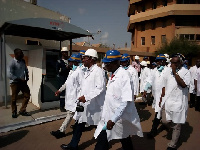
49	80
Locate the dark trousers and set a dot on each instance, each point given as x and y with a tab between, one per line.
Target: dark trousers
77	133
192	99
102	142
61	80
197	105
16	88
155	124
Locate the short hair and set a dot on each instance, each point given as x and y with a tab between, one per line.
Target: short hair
17	50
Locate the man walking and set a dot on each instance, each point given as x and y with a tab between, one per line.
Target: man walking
72	87
175	98
62	69
197	86
119	118
155	80
18	82
193	71
92	97
125	62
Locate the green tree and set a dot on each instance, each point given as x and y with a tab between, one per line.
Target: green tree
188	48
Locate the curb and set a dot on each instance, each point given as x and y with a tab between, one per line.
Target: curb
36	121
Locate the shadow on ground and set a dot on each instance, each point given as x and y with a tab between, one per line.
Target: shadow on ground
143	114
12	137
186	131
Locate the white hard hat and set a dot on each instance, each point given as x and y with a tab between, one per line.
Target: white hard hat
148	62
137	57
143	63
166	55
168	60
64	49
91	52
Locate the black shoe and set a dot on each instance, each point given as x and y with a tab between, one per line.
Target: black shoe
14	115
170	148
57	134
197	109
24	113
151	134
191	105
62	109
67	147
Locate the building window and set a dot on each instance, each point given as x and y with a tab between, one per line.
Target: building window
164	2
163	39
133	39
186	1
164	24
153	39
190	37
142	40
153	25
143	8
198	37
143	27
154	5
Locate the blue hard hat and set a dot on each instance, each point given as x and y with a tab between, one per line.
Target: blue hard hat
82	52
161	57
75	57
125	57
145	57
111	55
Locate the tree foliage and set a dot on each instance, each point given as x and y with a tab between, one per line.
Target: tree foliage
188	48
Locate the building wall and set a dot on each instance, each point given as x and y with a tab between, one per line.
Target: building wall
168	31
165	21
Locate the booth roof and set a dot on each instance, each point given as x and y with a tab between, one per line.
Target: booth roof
43	28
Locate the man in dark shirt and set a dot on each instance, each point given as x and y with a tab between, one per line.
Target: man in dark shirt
18	82
62	69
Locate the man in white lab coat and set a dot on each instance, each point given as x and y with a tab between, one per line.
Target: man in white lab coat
175	100
72	89
119	118
192	91
125	63
92	97
197	86
145	72
155	80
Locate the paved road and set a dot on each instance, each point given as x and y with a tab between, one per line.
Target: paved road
38	137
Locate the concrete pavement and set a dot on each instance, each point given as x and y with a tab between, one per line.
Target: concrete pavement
38	137
38	116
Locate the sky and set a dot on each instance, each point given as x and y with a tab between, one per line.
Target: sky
108	16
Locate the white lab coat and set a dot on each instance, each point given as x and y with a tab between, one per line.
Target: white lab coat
156	81
93	88
119	90
145	72
72	88
134	77
193	71
176	97
197	77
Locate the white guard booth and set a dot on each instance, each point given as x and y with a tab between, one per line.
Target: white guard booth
40	60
